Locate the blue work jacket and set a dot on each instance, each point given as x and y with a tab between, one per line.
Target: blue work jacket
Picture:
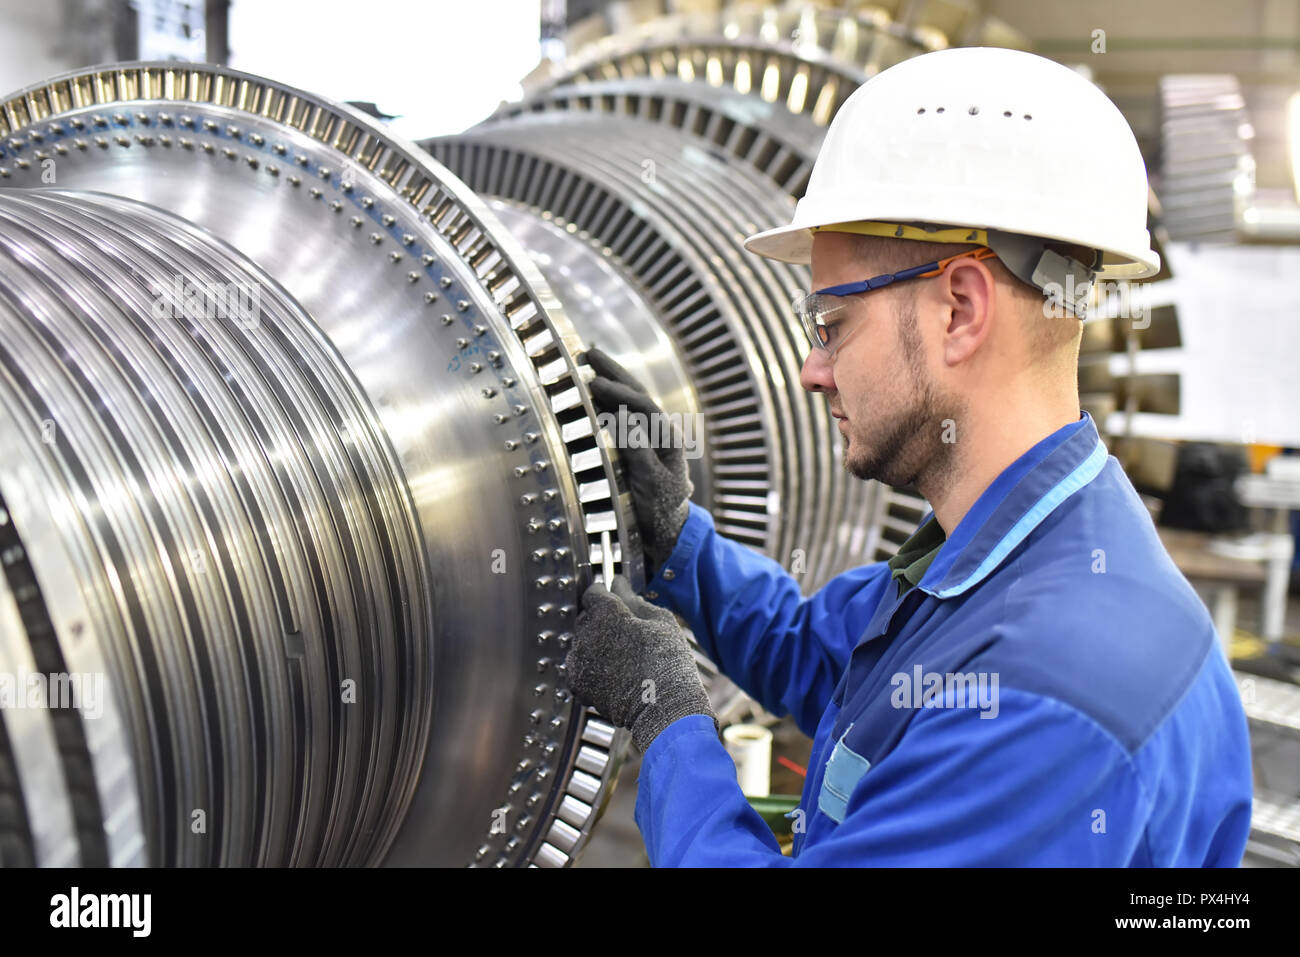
1052	692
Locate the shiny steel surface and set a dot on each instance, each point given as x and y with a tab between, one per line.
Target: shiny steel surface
454	342
806	57
27	739
602	302
251	549
780	144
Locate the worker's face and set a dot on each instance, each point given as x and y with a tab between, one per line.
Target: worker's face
889	409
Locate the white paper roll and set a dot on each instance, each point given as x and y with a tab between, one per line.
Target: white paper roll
750	746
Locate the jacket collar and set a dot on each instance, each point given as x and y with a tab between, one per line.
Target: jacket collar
1017	501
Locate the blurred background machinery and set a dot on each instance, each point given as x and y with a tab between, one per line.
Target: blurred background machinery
327	545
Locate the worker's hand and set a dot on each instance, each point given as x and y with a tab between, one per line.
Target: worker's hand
660	484
632	663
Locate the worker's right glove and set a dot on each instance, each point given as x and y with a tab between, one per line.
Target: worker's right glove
661	486
630	660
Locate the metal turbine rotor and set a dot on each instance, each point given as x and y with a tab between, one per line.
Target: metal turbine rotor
326	553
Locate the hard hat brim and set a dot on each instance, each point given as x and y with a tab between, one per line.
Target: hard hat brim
790	244
793	244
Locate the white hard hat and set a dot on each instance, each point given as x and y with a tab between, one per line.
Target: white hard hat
995	139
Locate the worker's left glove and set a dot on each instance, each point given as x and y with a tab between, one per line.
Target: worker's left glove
657	477
631	662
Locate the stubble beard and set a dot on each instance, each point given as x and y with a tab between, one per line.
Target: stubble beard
908	449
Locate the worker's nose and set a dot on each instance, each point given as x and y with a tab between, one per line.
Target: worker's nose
817	374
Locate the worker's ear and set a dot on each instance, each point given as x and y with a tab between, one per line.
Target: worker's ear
968	290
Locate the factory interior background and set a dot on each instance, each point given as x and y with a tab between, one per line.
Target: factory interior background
439	219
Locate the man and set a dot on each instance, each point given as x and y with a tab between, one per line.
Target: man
1030	681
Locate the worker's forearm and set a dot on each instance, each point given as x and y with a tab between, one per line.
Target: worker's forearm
720	618
690	808
750	617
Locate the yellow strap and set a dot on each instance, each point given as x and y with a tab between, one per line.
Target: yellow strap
961	234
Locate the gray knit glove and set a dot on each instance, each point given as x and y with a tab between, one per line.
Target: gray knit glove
660	484
631	662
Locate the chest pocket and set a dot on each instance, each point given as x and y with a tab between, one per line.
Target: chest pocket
843	771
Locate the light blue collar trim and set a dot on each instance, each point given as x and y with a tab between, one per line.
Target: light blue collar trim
1085	472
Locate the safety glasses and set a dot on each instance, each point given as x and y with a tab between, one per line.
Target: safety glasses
821	312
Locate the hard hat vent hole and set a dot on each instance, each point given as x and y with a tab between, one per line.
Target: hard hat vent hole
1028	117
1006	112
939	110
921	110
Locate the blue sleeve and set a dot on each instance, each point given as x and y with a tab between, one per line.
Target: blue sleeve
750	617
689	805
1039	784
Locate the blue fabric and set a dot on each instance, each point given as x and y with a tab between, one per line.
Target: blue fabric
843	772
1051	693
1295	534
